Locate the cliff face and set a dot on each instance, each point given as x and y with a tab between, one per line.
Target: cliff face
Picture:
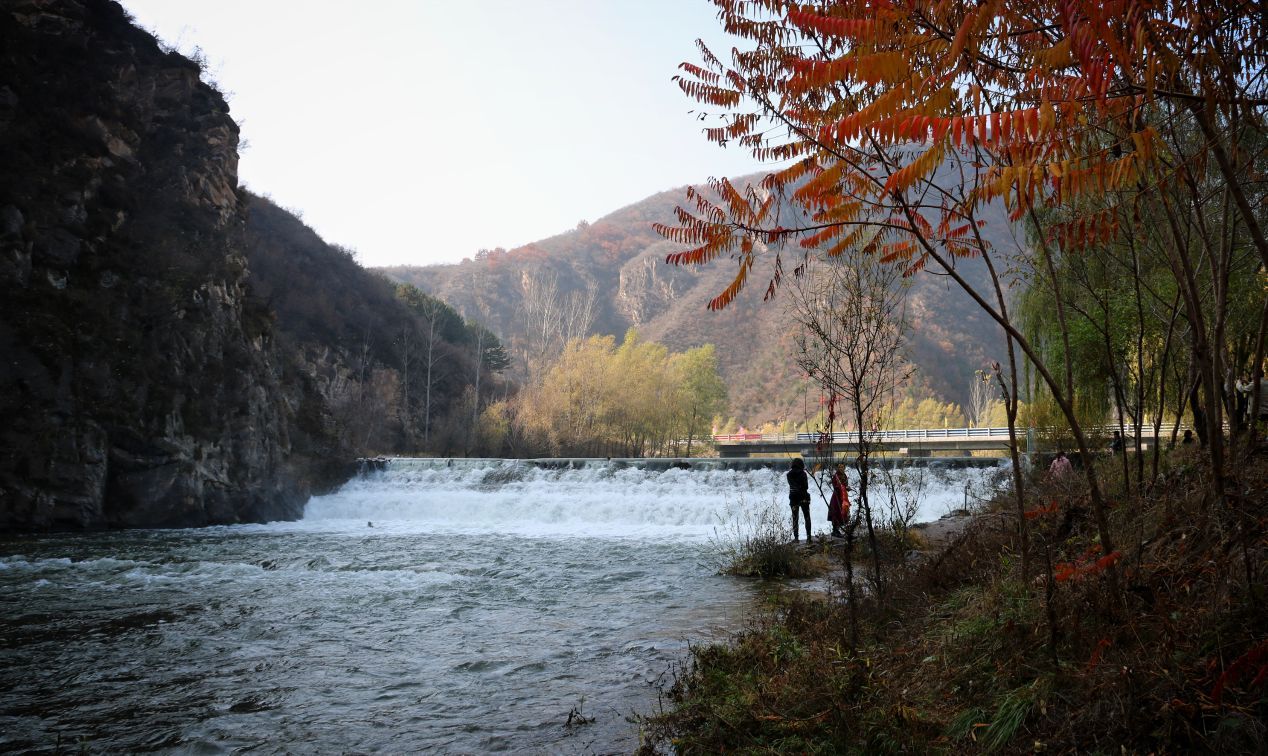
138	384
647	287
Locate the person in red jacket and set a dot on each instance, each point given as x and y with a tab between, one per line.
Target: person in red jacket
839	506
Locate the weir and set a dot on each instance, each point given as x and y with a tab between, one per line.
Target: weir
672	499
661	464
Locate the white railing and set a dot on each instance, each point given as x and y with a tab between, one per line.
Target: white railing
874	436
915	434
910	434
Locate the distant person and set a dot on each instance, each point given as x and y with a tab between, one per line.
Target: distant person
1116	443
1188	437
1060	466
1242	404
799	495
839	506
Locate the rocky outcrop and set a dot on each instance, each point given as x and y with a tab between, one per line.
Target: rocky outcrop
646	287
139	384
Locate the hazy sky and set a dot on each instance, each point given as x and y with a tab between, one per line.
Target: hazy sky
418	131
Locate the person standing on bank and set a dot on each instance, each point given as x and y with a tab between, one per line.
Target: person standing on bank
799	495
1241	405
839	506
1060	466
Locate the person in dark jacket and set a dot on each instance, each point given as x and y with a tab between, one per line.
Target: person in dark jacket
799	495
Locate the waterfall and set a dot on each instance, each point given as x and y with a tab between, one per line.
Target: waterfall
590	498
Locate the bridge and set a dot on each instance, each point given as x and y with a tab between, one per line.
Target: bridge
920	442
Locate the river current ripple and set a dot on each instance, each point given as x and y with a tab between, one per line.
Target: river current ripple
418	609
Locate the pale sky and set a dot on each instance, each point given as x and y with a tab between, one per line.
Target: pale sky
419	131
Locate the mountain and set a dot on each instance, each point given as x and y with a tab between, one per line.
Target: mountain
622	259
174	351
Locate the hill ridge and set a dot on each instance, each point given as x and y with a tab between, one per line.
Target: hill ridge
622	259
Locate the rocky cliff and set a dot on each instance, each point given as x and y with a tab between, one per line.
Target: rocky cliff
139	385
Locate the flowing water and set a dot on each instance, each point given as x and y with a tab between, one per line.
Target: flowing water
430	606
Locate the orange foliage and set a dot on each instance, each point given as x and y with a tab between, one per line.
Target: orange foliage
1253	661
1043	510
1085	566
1095	659
1039	104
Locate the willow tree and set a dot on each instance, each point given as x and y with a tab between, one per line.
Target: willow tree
700	394
1033	104
633	399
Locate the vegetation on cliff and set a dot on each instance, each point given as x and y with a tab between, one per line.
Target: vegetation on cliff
395	370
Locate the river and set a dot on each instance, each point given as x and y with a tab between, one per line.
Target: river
429	606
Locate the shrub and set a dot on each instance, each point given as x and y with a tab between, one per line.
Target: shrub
756	544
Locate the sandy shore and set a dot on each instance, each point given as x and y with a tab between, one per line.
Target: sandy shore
940	531
935	534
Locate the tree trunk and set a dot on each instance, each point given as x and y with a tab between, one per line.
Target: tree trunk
431	347
861	464
475	401
1162	394
1010	411
1257	375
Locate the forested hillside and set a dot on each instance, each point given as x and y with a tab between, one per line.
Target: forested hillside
611	275
396	369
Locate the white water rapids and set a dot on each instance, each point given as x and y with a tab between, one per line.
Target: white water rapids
463	606
596	500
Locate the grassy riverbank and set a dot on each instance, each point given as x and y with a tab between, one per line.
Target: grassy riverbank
959	651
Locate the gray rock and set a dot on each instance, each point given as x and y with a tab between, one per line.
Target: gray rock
15	266
11	222
57	247
8	107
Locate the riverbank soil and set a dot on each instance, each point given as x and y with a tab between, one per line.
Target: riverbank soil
961	651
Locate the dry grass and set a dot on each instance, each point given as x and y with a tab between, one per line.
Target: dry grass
757	544
967	654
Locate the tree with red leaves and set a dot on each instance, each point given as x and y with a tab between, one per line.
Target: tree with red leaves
1072	113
